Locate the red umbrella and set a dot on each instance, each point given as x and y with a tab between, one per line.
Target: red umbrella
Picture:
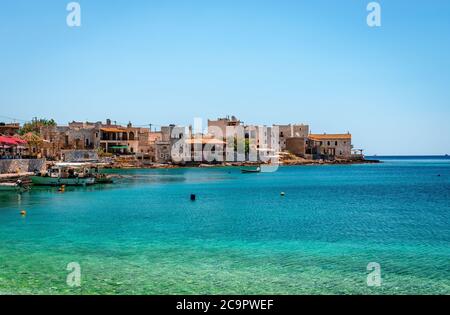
7	140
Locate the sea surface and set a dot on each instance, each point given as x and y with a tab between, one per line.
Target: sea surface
143	235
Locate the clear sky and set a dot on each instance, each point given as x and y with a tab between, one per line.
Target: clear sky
280	61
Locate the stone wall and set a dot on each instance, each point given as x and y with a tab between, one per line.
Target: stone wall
21	166
296	145
79	155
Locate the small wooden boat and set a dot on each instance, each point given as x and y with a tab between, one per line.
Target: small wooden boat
257	170
16	187
103	179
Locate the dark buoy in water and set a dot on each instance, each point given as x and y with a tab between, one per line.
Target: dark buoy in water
439	175
193	197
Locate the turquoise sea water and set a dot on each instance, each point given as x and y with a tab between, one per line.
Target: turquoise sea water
144	236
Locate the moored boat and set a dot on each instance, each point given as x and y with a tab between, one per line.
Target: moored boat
57	181
257	170
103	179
69	174
17	186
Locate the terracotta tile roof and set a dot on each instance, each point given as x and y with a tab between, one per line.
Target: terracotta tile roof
331	137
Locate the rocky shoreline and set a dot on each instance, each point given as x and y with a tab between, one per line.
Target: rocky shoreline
297	162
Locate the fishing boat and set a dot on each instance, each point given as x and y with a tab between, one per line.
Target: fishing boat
69	174
103	179
257	170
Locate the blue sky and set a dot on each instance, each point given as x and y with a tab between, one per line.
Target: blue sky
265	61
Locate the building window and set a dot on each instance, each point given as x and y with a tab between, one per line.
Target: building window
328	142
335	143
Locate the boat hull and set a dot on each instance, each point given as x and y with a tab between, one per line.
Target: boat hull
12	187
56	181
250	171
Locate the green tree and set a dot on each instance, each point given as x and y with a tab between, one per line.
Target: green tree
35	125
246	144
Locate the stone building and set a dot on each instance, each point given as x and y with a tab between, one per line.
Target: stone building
291	131
296	145
111	138
222	124
165	141
330	145
163	152
9	129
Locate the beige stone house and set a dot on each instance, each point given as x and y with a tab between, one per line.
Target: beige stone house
291	131
111	138
330	145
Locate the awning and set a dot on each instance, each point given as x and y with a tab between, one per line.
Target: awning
11	140
119	147
8	140
112	130
19	141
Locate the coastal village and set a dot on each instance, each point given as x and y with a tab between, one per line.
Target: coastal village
36	145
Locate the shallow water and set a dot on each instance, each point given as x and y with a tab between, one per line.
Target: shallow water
143	235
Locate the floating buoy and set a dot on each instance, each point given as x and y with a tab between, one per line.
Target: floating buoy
193	197
23	213
62	188
282	193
